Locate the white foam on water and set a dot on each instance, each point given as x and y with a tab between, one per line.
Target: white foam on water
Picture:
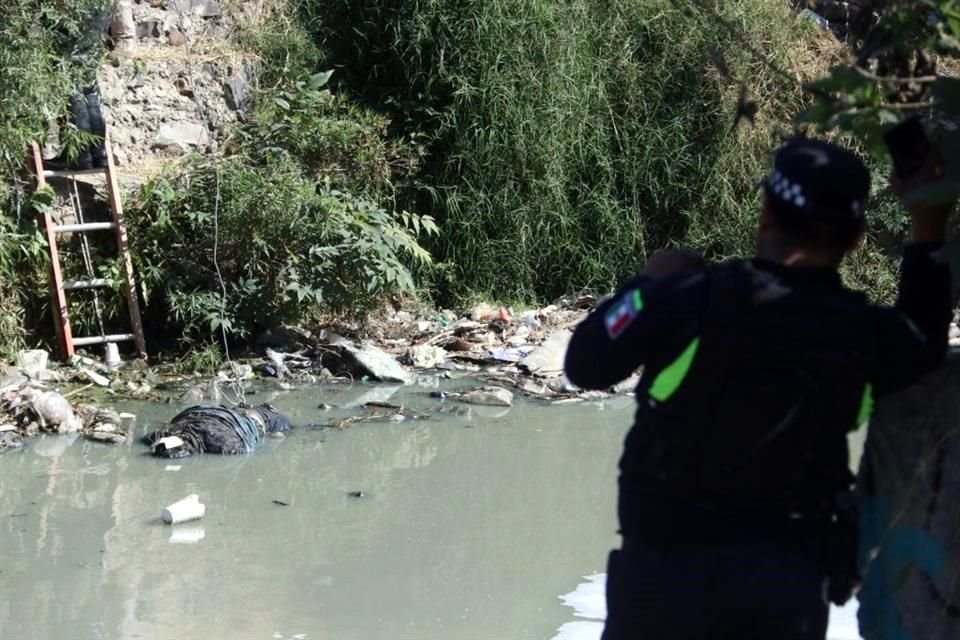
588	601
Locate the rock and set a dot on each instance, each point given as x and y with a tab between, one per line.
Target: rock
181	134
148	29
212	9
489	396
370	361
95	377
109	437
162	4
628	385
531	386
54	412
547	359
176	38
425	356
236	90
123	26
193	395
9	439
32	362
562	385
185	7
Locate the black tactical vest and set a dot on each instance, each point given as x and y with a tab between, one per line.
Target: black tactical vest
749	422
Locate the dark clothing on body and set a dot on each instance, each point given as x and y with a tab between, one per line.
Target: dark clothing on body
754	373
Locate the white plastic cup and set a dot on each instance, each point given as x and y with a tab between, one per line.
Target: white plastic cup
111	356
185	510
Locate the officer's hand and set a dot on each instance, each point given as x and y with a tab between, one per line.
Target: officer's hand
928	215
671	261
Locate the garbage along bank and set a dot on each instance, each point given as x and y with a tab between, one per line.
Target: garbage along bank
27	410
498	354
508	352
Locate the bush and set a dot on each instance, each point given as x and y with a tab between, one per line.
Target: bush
285	247
38	70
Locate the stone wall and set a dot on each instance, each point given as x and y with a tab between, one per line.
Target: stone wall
174	80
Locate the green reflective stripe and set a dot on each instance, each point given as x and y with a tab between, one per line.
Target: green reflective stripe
669	380
866	405
637	300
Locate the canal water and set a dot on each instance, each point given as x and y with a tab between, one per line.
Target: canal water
476	523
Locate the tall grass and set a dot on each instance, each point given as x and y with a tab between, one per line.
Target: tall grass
571	138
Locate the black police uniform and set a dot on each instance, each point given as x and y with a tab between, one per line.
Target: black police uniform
754	373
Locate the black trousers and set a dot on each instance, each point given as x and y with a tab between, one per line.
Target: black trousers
731	592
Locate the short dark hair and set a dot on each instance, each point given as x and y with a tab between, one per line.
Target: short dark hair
821	229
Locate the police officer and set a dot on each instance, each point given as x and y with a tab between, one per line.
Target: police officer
754	371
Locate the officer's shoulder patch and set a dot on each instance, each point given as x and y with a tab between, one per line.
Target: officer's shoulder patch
622	313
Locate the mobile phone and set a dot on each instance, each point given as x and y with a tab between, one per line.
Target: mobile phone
908	146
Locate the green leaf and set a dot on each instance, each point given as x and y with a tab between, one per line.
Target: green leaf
319	80
283	104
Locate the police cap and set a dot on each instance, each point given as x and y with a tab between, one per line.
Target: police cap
819	179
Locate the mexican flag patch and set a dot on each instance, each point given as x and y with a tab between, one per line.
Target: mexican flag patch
621	314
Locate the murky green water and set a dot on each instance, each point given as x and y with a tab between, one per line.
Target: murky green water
470	527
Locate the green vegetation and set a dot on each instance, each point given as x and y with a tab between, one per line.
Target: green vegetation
555	145
902	65
295	220
569	140
285	247
36	77
896	75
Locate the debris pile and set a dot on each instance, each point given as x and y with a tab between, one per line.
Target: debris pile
27	411
523	351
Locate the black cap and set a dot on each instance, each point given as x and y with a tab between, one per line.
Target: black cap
819	179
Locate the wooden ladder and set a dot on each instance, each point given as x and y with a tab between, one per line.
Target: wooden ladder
59	287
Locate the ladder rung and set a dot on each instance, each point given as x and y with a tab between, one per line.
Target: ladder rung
70	285
69	173
86	226
117	337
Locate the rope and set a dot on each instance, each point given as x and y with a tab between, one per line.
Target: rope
236	385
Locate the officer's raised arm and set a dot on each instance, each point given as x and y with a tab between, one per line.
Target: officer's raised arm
657	308
914	334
